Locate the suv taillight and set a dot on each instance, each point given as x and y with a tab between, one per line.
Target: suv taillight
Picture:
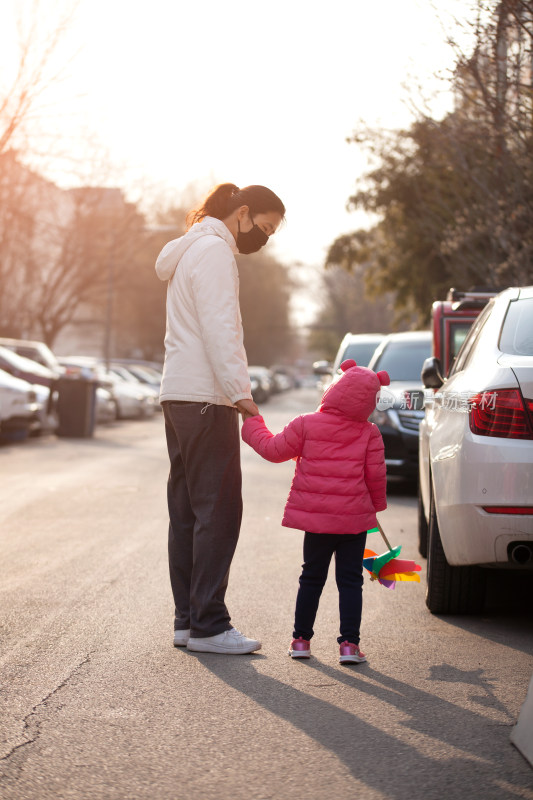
501	413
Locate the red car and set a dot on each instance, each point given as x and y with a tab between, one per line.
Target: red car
451	321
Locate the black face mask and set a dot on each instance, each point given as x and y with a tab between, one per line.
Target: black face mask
251	241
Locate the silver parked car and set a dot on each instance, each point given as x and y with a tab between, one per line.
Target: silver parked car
148	377
143	372
19	408
42	380
36	351
129	384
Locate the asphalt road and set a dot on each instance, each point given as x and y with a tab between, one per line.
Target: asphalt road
97	703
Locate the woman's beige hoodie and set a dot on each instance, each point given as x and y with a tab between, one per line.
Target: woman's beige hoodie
205	360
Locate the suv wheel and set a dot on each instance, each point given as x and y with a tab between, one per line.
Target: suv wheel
422	527
450	590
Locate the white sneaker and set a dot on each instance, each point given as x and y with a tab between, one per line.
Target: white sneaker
181	638
231	641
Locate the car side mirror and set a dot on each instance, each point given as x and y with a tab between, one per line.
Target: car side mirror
431	374
322	368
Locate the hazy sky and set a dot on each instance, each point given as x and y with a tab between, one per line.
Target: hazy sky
236	90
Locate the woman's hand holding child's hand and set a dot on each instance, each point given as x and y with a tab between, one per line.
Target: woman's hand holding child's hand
247	408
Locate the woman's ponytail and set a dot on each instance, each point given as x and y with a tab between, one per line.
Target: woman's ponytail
216	204
226	197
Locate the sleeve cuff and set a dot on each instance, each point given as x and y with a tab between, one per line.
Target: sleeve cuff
243	396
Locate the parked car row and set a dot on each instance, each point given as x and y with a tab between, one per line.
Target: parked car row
265	382
35	387
459	415
130	398
125	388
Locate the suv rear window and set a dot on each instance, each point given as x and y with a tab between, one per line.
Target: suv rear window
458	331
517	332
403	360
361	352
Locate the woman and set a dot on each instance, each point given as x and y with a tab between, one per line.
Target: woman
205	384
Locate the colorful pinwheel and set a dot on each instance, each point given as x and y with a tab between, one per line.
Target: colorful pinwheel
387	568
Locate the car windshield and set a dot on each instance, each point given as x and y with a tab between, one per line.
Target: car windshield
403	360
42	355
361	352
15	360
142	373
125	374
517	332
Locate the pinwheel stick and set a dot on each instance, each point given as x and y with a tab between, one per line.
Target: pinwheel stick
384	537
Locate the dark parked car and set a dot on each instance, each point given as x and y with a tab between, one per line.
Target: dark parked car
285	377
261	384
400	408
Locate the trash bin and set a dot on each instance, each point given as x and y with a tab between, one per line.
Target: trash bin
76	406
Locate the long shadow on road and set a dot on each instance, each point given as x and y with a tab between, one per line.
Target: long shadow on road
380	759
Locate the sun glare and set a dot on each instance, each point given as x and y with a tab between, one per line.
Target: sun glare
177	93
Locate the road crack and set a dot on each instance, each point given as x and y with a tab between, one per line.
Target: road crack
31	723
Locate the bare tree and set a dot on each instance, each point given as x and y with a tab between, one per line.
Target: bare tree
38	68
62	252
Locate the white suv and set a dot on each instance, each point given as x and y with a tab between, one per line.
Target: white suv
359	346
476	457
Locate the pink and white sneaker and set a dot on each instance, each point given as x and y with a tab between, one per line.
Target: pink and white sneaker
350	654
300	648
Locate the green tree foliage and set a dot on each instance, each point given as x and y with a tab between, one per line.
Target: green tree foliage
454	197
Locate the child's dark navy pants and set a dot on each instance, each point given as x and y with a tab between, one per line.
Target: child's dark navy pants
318	550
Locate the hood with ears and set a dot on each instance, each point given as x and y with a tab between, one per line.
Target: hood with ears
355	393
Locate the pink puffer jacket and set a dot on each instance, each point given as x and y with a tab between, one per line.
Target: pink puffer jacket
340	478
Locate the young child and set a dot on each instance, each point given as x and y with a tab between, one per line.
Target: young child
338	486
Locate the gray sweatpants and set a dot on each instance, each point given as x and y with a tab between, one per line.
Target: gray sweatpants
205	511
